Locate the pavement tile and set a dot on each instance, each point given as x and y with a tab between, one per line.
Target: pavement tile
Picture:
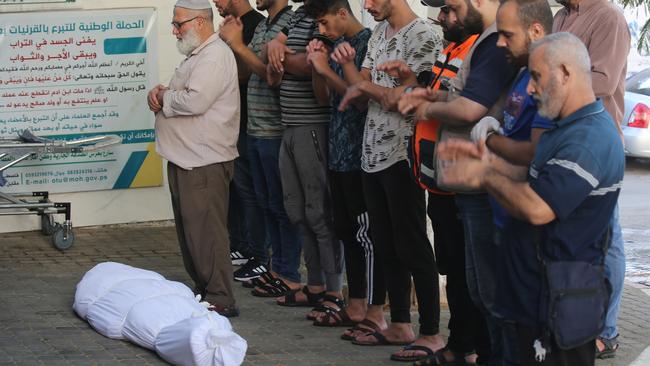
38	326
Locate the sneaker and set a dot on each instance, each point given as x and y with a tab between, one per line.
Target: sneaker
252	269
237	258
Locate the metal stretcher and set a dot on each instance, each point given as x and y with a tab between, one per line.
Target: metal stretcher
27	146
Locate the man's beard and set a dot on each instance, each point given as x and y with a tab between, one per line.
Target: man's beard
521	60
473	23
384	12
453	34
263	5
549	103
189	42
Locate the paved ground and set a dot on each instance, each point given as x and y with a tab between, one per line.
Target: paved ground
38	326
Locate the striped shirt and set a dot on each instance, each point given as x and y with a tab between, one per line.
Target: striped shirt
264	115
299	104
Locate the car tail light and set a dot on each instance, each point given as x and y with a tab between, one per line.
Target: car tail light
640	117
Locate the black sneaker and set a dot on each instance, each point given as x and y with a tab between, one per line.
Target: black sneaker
252	269
237	258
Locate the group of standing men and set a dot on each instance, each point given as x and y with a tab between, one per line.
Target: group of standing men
307	132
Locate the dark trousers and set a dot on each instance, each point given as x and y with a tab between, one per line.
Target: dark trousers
282	236
397	210
352	226
303	170
467	328
584	355
480	265
245	212
200	204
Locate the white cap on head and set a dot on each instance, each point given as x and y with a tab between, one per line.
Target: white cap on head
193	4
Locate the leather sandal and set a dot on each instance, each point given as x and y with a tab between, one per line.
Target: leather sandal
321	308
610	346
313	299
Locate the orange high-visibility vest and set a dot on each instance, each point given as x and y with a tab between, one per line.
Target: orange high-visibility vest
423	141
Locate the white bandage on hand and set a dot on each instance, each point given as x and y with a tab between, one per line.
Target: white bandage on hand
484	127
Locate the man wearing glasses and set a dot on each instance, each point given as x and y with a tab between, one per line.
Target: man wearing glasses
197	123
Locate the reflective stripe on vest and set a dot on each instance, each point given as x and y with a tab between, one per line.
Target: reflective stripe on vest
425	135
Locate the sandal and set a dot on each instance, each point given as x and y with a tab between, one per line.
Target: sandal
381	341
340	318
413	347
313	299
438	359
274	287
366	326
610	346
320	308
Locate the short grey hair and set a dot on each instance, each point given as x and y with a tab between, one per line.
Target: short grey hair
564	48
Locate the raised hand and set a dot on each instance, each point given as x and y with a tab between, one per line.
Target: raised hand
415	100
276	52
484	127
352	93
464	163
344	53
400	70
231	30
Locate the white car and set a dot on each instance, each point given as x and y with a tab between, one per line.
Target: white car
637	115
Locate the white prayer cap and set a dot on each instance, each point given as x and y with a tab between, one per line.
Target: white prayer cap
193	4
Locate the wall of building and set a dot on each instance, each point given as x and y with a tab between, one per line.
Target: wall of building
130	205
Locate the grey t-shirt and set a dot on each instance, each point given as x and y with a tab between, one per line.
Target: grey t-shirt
264	113
386	134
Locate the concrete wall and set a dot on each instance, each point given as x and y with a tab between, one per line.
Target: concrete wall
129	205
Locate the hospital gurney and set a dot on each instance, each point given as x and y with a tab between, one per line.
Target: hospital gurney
27	146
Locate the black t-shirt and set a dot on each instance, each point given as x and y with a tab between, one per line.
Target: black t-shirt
250	21
490	73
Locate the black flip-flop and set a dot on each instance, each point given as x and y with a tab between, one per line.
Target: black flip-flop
413	347
381	341
369	328
438	359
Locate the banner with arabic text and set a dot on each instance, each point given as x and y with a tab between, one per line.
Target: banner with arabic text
75	74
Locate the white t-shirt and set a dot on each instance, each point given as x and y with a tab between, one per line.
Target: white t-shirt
386	135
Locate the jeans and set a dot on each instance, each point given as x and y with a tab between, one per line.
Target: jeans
281	234
480	264
244	212
615	272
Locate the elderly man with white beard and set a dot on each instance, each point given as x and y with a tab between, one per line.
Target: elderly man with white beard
197	124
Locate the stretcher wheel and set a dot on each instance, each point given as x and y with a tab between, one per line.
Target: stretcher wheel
62	238
47	226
